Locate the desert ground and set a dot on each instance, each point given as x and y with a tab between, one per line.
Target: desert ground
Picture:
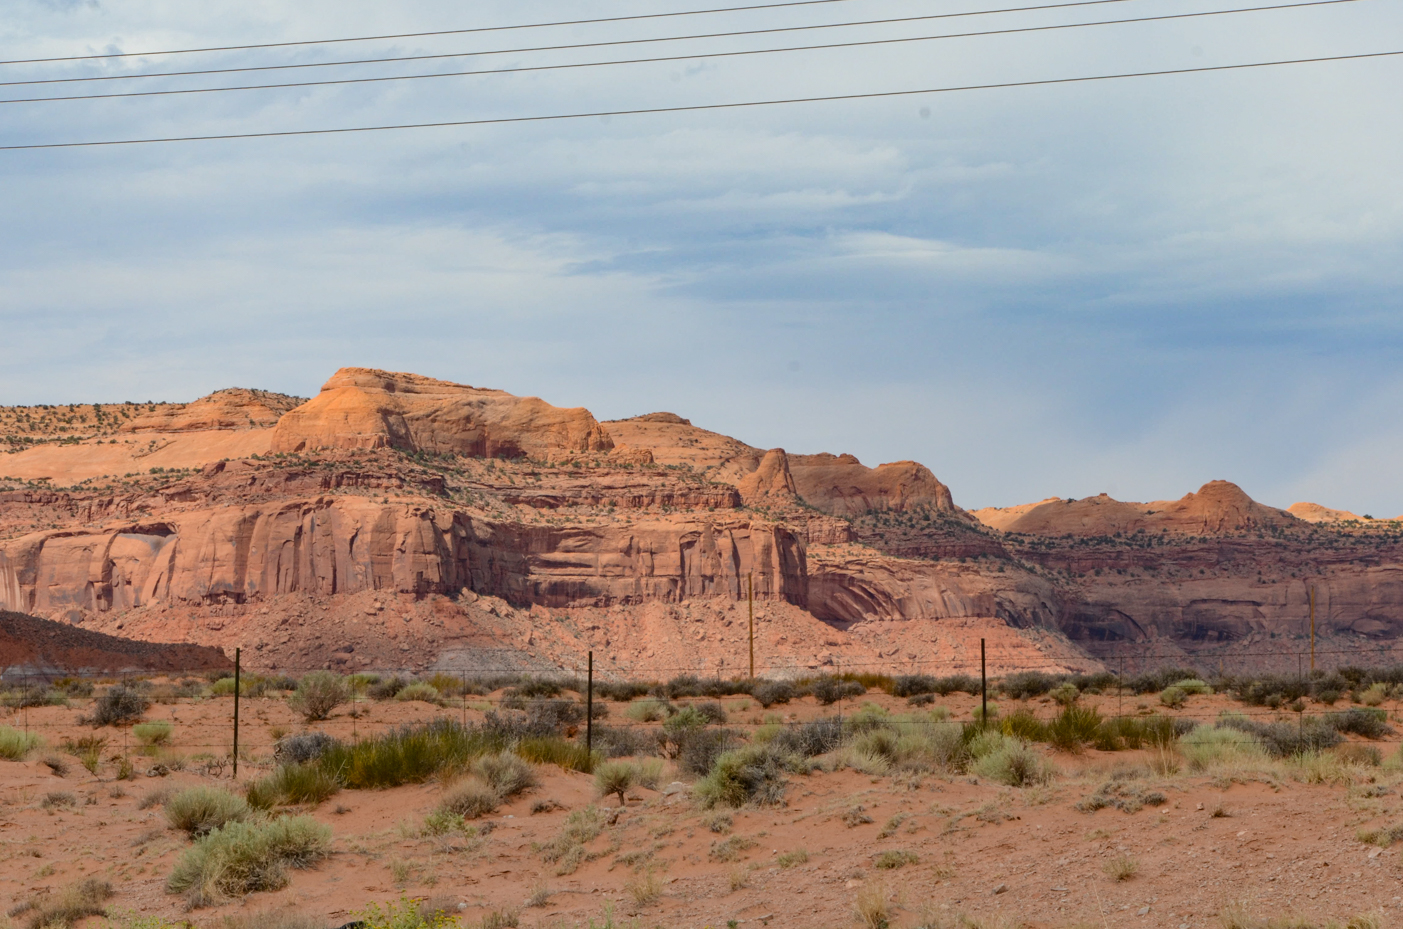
1246	838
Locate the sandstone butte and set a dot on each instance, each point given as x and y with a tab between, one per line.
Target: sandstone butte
399	521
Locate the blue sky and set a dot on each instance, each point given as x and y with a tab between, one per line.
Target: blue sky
1131	287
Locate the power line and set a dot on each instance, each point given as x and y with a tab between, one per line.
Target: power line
558	48
503	120
632	61
422	35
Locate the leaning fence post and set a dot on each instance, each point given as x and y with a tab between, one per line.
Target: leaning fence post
983	689
237	654
589	707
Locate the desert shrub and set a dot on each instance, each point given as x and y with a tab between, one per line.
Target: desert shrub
470	799
1012	762
1362	721
870	716
1356	754
770	693
293	785
15	744
1065	693
1025	684
623	741
420	692
538	687
1374	694
302	747
817	737
956	683
1173	697
69	906
731	849
1208	747
751	774
684	685
386	689
198	811
689	717
1074	727
31	695
1194	686
117	705
572	756
1022	724
407	755
621	691
648	773
698	749
648	710
406	914
535	718
713	711
871	907
1155	681
829	690
911	685
58	800
1133	732
245	857
505	773
1284	739
793	857
614	777
318	693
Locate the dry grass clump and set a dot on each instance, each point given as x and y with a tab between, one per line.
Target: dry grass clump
1008	760
1121	868
67	907
731	849
58	800
540	894
891	860
645	889
871	907
292	785
246	857
505	773
420	692
648	710
199	811
15	744
55	764
153	733
270	919
752	774
567	850
790	858
471	799
117	706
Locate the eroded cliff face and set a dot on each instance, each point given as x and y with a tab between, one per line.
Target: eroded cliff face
406	489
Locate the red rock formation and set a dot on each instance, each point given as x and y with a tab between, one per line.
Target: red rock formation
771	482
843	486
365	408
1218	508
31	645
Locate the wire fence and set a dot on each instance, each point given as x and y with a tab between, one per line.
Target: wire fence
225	723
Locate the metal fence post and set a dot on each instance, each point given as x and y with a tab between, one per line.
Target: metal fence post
589	707
238	652
983	688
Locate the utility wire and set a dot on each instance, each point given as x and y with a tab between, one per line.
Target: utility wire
557	48
503	120
633	61
422	35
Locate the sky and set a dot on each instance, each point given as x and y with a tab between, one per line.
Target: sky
1131	286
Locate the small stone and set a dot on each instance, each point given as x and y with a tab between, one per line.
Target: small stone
1001	888
1143	911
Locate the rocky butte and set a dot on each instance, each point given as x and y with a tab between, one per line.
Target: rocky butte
395	520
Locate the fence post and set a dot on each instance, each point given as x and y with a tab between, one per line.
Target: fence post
238	652
25	703
983	688
463	684
589	707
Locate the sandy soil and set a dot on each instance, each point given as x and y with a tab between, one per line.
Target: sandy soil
992	853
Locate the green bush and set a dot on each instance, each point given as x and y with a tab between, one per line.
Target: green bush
1193	685
408	755
1173	697
293	785
1012	762
1074	727
198	811
614	777
1022	724
153	733
648	710
407	914
246	857
1367	722
572	756
1209	746
1065	693
420	692
318	694
15	744
752	774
